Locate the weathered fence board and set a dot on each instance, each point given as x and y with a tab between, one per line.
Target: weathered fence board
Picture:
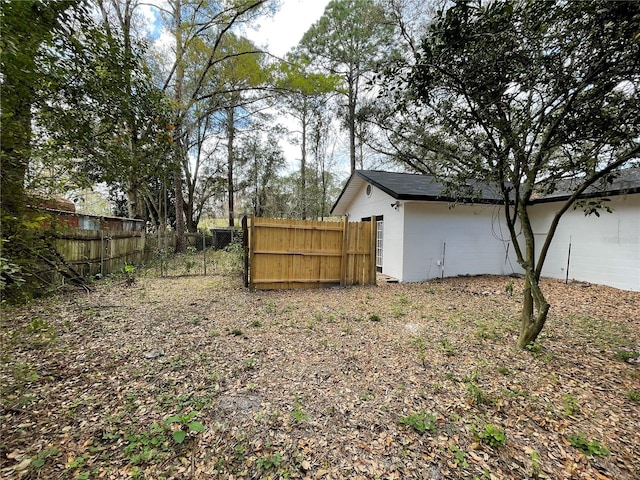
92	252
286	253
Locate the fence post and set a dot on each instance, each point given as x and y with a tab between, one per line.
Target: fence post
245	247
345	245
204	252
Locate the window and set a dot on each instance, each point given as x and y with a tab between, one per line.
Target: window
379	245
369	190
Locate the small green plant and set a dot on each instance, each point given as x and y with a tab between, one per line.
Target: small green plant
491	435
459	456
189	264
535	460
270	461
508	289
298	414
256	324
589	448
629	355
270	306
420	421
129	273
237	332
186	425
504	371
474	393
422	351
534	347
250	363
76	462
41	458
570	405
374	317
448	349
402	299
633	396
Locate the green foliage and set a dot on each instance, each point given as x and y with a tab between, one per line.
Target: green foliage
626	354
374	317
474	392
459	456
270	461
298	414
447	348
187	425
593	447
41	458
420	421
633	396
570	405
491	435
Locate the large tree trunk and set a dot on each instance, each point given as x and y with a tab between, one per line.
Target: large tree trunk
535	307
179	133
534	311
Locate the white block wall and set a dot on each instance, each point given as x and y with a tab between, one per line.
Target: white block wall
604	250
463	240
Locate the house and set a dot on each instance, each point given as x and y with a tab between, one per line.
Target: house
422	233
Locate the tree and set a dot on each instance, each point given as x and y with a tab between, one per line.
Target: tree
191	21
349	40
527	97
305	93
263	159
26	80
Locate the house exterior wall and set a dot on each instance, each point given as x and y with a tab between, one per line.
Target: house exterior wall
379	203
463	240
604	250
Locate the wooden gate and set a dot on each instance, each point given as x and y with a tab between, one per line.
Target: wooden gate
285	253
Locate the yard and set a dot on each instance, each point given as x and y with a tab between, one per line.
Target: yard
195	377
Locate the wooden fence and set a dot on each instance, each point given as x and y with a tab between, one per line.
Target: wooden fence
91	252
308	254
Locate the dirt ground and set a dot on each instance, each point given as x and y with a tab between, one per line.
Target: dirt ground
195	377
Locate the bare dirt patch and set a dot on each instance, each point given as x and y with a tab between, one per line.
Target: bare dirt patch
393	381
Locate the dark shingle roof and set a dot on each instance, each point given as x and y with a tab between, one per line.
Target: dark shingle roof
408	186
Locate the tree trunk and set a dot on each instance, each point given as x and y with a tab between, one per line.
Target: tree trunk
230	138
351	122
534	312
179	133
303	163
535	307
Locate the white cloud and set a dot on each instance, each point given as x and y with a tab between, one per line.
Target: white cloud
285	29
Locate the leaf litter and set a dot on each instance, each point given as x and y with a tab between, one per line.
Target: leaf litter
319	384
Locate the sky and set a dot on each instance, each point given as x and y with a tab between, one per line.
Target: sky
284	30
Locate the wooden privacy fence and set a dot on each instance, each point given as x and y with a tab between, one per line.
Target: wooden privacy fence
308	254
90	252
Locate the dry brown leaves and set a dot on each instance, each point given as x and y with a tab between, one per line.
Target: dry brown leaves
311	384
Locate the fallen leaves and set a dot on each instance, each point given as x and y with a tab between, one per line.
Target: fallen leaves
305	384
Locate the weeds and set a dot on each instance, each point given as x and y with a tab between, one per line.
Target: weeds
459	456
298	414
629	355
491	435
633	396
570	405
589	448
186	426
420	421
